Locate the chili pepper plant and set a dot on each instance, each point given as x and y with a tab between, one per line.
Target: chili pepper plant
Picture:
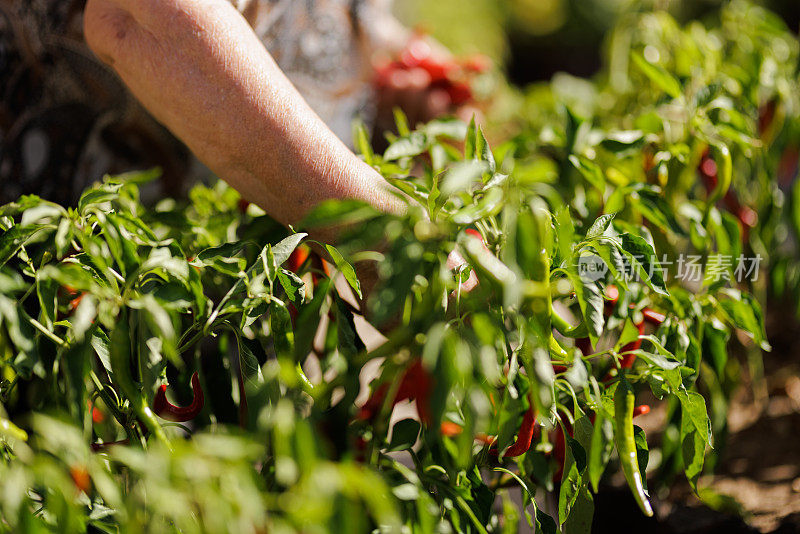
192	366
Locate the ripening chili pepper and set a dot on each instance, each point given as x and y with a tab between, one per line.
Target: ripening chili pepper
612	295
80	477
710	172
525	435
361	449
73	304
121	356
177	414
449	429
642	409
97	415
624	400
297	258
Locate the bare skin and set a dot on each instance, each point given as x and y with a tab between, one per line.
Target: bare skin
197	66
199	69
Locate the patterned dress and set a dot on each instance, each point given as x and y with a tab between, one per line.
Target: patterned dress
66	119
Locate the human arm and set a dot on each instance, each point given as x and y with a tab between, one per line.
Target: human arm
201	71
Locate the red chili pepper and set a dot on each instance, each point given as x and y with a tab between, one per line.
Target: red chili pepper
439	71
460	93
80	477
444	73
474	233
166	410
642	409
628	359
73	304
525	435
416	384
787	168
298	258
486	439
479	63
97	416
653	317
560	448
766	114
649	316
585	345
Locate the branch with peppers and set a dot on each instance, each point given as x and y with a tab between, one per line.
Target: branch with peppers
416	383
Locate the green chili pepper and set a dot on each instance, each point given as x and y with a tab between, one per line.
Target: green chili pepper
565	328
624	401
557	349
724	173
9	429
120	355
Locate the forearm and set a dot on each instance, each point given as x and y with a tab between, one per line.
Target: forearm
200	70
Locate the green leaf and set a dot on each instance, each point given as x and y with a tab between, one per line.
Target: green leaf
484	152
581	514
470	151
572	480
599	226
361	142
601	447
745	313
695	434
663	80
643	259
295	288
488	205
461	176
15	238
404	435
413	144
590	171
100	194
652	204
345	268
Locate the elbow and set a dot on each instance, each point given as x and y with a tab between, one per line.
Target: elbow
106	28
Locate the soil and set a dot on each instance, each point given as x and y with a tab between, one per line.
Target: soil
757	478
758	475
